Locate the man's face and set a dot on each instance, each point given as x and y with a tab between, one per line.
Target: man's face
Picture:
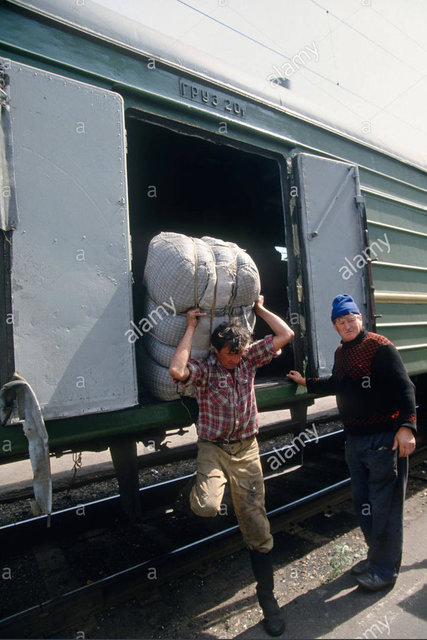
348	326
227	359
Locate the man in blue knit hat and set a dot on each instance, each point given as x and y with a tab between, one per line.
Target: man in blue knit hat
376	401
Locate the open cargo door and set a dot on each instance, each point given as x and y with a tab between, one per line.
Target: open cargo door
333	237
70	270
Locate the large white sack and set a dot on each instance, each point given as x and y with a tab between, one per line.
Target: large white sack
208	273
237	274
171	328
225	256
214	275
173	262
154	356
156	379
248	286
162	352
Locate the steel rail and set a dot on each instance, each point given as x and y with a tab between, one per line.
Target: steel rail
99	513
187	451
53	615
56	614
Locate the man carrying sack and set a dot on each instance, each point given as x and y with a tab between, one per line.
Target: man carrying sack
227	426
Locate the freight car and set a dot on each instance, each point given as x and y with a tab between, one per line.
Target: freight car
105	142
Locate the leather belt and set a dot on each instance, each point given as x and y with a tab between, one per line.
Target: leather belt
224	442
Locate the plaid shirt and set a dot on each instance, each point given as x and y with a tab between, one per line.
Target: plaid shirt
227	405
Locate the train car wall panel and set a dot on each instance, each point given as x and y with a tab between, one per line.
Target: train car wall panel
71	277
400	273
156	90
335	254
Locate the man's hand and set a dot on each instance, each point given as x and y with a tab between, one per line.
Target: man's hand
259	303
405	441
192	316
295	376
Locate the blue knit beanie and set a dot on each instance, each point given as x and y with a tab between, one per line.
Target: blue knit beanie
342	305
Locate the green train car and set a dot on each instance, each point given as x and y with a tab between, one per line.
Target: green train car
105	142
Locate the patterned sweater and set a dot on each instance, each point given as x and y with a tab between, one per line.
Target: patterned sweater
373	390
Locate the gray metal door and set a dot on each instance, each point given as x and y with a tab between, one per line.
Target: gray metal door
71	272
333	249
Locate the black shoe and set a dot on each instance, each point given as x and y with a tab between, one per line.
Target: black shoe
273	621
262	567
371	582
360	567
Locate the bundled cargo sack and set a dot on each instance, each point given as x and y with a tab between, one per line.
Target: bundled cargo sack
179	266
180	273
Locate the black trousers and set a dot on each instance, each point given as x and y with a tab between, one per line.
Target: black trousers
379	478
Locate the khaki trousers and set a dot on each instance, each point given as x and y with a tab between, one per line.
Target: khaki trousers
238	463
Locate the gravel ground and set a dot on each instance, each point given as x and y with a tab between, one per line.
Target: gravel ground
218	600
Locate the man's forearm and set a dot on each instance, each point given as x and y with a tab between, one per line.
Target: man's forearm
178	368
282	332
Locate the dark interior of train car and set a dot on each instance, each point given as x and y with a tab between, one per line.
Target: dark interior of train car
187	184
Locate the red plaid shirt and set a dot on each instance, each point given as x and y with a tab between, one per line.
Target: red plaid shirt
227	405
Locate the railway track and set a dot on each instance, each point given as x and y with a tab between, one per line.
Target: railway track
72	554
165	454
100	513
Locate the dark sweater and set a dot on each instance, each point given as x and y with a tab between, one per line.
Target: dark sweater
373	390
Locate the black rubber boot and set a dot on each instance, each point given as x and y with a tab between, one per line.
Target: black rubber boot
262	567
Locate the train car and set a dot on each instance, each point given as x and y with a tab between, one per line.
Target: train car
109	137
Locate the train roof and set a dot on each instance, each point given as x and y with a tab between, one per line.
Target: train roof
398	138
